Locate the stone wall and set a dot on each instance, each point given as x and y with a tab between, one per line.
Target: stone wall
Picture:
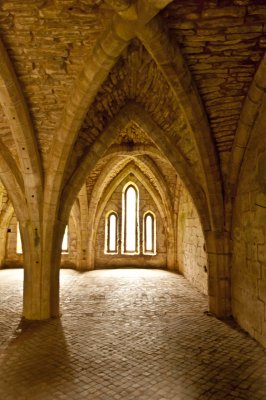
249	242
69	258
146	203
192	258
12	258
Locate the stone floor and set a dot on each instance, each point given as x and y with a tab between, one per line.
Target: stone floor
125	334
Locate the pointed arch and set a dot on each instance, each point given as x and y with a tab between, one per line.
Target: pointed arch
111	233
149	164
173	66
8	163
11	178
163	205
99	63
164	144
249	211
18	116
251	111
130	219
120	166
149	233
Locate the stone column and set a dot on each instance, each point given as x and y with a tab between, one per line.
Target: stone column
219	258
41	270
172	246
84	229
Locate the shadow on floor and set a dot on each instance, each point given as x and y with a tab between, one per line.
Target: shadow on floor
36	358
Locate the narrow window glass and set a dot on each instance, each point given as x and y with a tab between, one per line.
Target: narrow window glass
65	241
149	233
112	233
19	243
131	220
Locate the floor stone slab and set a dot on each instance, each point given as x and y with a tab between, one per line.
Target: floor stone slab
125	334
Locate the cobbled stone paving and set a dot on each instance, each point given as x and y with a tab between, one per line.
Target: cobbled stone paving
128	334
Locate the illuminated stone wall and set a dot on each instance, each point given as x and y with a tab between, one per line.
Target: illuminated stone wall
192	258
146	203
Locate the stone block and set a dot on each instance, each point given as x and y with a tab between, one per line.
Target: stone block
262	290
224	12
262	253
251	252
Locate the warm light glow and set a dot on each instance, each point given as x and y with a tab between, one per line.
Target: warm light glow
149	235
64	247
112	233
19	243
131	199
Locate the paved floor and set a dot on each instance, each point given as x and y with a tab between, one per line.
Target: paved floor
125	334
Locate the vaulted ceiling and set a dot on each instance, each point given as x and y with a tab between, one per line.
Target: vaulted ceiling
175	86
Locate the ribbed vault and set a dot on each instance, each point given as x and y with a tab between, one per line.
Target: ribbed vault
169	90
107	183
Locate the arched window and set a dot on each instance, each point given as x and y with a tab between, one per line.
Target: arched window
19	243
64	247
130	226
111	233
149	233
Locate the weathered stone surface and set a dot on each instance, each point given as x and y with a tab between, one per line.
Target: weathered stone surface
146	203
6	136
48	57
87	352
249	249
192	256
223	43
135	78
187	75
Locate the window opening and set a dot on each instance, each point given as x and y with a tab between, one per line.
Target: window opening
111	233
19	243
64	248
149	234
130	238
130	220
